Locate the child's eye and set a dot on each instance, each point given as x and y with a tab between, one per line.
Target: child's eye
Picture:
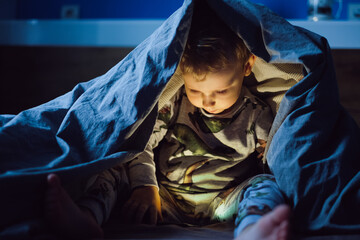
222	91
194	91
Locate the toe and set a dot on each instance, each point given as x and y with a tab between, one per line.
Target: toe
53	180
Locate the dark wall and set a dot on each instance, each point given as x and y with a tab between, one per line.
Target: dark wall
34	75
347	71
92	9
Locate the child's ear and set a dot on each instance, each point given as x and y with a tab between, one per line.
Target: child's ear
249	65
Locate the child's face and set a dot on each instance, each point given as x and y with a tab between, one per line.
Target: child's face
218	91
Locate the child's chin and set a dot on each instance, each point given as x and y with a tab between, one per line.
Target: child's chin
213	111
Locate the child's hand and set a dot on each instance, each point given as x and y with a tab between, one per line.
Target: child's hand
143	206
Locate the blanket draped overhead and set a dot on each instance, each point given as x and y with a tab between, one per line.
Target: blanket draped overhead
314	147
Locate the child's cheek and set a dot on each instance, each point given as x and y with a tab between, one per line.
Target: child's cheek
195	101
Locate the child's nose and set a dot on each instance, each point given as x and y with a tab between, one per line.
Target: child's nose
208	101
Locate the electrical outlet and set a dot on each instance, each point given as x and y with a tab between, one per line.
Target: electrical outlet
70	12
354	11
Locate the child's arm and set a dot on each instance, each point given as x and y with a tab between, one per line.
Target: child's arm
144	205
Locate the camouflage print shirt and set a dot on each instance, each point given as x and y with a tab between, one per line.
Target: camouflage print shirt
200	156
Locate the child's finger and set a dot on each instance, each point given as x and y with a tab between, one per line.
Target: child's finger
128	211
159	216
140	213
152	215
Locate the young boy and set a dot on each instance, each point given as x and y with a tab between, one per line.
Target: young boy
201	164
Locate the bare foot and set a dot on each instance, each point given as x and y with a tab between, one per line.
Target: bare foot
65	217
272	226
